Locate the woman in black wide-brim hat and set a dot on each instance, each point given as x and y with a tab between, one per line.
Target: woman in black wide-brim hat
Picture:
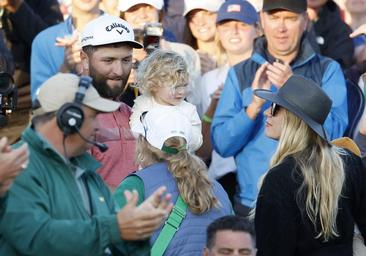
315	192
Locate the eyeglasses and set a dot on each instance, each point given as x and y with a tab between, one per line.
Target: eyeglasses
274	108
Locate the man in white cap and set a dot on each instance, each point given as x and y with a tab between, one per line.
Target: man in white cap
107	43
59	205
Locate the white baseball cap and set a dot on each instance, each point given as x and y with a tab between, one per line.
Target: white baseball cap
124	5
163	122
108	29
61	88
208	5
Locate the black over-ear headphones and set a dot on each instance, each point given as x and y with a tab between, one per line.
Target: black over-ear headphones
70	116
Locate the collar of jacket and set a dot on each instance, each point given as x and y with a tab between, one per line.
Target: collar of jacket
261	55
85	161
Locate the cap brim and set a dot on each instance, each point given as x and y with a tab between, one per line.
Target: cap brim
123	6
279	6
228	16
135	44
198	8
273	97
102	105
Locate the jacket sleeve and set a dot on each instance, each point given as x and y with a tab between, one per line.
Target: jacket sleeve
231	127
34	16
333	83
275	217
27	226
358	178
41	66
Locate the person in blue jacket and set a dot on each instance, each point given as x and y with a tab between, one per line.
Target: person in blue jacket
238	124
57	48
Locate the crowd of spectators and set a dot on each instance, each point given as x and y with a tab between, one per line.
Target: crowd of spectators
170	127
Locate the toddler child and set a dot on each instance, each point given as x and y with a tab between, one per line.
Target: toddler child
163	79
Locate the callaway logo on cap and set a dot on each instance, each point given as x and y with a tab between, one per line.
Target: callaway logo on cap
117	26
108	29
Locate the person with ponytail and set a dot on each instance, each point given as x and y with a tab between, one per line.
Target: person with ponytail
164	155
314	192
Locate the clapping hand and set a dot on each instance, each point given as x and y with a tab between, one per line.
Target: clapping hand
139	222
72	59
12	162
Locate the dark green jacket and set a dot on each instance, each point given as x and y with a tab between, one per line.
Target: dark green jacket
44	213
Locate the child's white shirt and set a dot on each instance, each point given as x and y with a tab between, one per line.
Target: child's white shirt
146	102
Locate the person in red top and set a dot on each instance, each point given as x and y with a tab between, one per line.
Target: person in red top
107	44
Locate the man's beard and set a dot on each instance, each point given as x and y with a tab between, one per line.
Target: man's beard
104	90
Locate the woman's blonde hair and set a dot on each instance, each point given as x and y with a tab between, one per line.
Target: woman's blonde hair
322	168
162	68
188	170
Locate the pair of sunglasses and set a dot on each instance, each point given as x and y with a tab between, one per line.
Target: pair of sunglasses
274	108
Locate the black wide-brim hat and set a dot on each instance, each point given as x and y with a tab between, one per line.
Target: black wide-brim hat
305	99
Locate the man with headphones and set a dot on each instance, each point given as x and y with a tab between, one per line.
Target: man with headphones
107	47
59	205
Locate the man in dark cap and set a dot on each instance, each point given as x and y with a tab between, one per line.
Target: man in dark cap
282	51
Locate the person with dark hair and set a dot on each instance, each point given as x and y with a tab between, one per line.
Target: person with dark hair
200	30
314	192
230	235
334	43
22	20
107	48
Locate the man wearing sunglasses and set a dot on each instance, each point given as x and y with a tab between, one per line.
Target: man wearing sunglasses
238	124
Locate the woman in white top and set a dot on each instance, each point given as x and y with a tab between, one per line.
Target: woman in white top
200	30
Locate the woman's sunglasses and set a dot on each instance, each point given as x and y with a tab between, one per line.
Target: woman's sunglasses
274	108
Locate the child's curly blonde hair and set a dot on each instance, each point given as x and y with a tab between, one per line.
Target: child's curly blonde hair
162	68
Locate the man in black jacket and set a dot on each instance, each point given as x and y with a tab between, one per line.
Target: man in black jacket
331	32
22	20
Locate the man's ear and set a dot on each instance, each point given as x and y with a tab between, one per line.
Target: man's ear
84	62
